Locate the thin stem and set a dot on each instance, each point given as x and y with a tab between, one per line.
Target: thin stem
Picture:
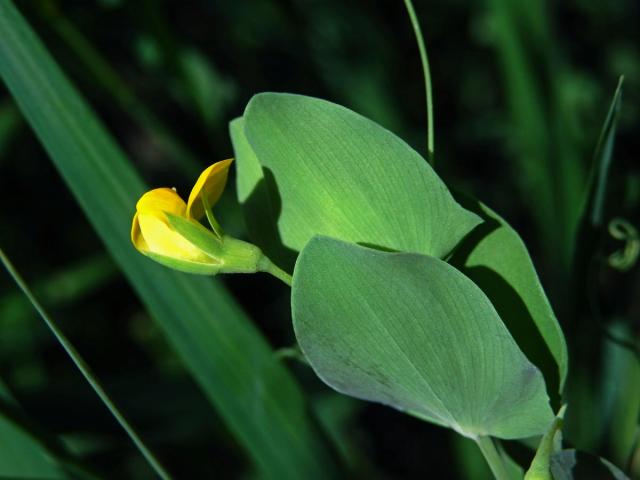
85	370
268	266
493	458
427	78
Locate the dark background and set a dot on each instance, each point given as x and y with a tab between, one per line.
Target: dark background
520	91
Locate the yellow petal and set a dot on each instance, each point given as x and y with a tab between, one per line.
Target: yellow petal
160	238
210	185
162	200
136	235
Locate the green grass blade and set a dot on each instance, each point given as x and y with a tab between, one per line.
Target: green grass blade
592	226
594	209
84	369
257	397
589	318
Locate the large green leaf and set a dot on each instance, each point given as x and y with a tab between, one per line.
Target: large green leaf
256	396
330	171
412	332
496	259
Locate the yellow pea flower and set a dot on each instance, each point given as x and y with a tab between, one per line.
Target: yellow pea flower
153	235
167	230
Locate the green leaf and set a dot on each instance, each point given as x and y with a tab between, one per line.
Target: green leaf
575	465
256	396
496	259
329	171
410	331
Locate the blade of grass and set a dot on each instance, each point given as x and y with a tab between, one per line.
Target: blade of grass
596	195
583	427
257	397
84	369
427	78
589	237
592	228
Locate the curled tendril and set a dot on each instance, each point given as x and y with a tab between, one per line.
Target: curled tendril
626	257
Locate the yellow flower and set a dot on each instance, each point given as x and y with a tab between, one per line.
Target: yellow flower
167	230
190	247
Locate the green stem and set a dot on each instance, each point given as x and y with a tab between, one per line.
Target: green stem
493	458
268	266
85	370
427	78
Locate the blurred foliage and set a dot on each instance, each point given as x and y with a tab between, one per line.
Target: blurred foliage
521	90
